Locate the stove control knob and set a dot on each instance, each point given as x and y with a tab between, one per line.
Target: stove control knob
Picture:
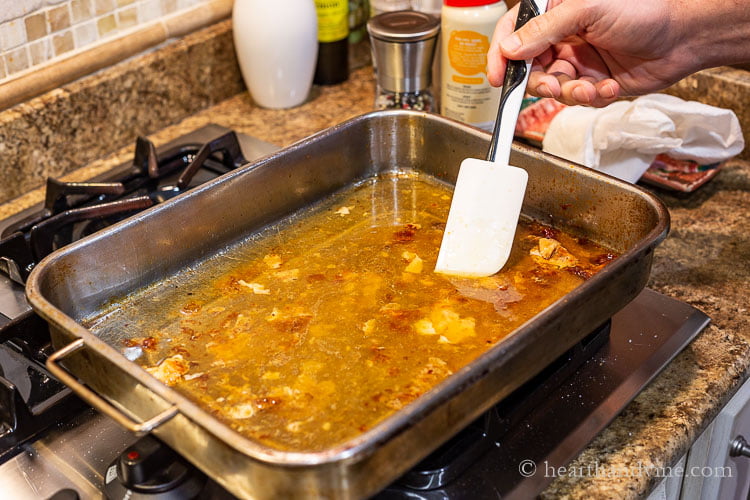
150	469
739	447
146	460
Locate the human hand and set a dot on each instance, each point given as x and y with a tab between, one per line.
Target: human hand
591	52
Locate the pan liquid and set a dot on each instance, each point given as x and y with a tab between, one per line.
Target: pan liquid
308	333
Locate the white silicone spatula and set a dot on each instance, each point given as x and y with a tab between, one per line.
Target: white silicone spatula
489	193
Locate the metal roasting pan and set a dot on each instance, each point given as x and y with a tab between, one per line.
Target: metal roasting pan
80	279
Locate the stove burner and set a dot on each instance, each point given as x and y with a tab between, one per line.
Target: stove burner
30	399
57	231
57	192
73	210
228	144
16	259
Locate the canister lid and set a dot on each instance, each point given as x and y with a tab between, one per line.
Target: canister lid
468	3
403	26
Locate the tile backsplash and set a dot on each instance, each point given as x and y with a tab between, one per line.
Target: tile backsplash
33	32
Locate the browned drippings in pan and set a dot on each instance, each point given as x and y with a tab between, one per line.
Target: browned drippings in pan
312	332
176	238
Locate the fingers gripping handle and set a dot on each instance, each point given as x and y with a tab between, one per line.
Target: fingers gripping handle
514	88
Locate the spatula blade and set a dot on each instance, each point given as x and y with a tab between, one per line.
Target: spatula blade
482	220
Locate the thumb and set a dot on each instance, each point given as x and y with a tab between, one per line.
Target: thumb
543	31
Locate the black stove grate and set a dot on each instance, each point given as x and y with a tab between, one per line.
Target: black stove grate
73	210
31	400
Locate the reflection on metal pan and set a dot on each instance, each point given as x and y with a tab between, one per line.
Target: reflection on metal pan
80	279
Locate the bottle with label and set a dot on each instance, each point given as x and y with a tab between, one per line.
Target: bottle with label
434	8
333	42
359	49
465	93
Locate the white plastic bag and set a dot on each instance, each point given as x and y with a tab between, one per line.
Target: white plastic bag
623	139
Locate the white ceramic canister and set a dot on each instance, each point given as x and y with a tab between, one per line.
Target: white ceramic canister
466	30
277	47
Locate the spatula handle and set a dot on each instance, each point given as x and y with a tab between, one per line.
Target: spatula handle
514	87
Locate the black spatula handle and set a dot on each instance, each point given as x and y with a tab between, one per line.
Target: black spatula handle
514	74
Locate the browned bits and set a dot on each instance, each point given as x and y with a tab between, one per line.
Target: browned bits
180	350
401	320
230	320
233	284
394	342
402	399
190	308
381	396
543	231
404	236
603	258
378	355
540	275
148	343
296	324
266	403
582	273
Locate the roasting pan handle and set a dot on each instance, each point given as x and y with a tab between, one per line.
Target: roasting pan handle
137	428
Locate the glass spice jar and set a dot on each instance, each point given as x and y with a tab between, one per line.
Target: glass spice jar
403	47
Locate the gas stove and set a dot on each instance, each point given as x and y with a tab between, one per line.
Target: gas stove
53	444
30	399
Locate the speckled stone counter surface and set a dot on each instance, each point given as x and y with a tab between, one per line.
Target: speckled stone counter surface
73	125
704	262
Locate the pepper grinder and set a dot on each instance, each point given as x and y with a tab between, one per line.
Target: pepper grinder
403	47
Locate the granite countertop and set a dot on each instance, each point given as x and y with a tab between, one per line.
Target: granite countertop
703	262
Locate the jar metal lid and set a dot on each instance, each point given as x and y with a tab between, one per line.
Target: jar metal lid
403	26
